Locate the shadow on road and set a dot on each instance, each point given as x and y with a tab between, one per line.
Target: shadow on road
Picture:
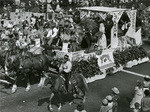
64	99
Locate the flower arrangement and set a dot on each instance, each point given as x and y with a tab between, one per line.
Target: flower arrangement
129	54
89	67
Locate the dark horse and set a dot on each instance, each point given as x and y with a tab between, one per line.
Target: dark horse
76	81
29	66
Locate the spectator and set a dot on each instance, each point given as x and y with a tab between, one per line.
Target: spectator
115	97
138	95
110	103
104	107
80	108
145	103
146	83
137	107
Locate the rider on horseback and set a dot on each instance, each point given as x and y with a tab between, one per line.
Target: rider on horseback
65	70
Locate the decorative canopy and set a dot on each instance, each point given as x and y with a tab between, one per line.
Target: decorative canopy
116	13
102	9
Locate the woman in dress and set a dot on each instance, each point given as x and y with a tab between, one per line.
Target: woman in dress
139	93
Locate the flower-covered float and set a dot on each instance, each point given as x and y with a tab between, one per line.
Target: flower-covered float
105	41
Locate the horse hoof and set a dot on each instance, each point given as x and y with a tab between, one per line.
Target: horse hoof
13	91
39	85
51	109
14	88
70	103
59	109
28	88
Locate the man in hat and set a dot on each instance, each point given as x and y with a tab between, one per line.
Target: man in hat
80	108
65	69
145	102
110	103
115	98
146	83
104	107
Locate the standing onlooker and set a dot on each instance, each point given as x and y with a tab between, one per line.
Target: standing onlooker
104	107
138	95
146	83
145	103
137	107
110	103
80	108
115	97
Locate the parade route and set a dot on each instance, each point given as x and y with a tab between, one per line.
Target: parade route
74	55
36	100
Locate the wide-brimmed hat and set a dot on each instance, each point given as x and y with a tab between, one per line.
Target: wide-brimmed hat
105	102
109	98
66	57
115	90
80	107
146	76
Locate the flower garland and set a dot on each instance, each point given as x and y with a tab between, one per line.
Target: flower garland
89	67
129	54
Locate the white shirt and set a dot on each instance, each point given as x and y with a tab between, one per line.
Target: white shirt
52	32
66	67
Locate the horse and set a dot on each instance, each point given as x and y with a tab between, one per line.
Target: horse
76	81
29	66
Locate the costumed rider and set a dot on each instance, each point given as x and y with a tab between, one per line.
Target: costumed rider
65	70
100	35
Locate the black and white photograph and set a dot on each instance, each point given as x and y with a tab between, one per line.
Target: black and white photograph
74	55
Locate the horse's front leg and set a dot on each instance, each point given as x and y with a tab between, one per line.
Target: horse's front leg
59	101
28	82
59	108
6	70
14	87
84	98
50	102
42	80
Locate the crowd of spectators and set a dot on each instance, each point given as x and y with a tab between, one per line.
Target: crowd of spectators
141	99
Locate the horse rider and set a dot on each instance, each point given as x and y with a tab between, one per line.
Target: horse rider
65	70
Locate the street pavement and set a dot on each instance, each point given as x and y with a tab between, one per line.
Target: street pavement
36	100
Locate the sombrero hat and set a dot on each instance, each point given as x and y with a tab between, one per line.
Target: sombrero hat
115	90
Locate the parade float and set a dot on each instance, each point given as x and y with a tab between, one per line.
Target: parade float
112	40
122	47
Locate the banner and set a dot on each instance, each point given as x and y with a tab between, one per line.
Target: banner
132	16
106	60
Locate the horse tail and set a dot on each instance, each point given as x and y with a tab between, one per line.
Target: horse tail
84	83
